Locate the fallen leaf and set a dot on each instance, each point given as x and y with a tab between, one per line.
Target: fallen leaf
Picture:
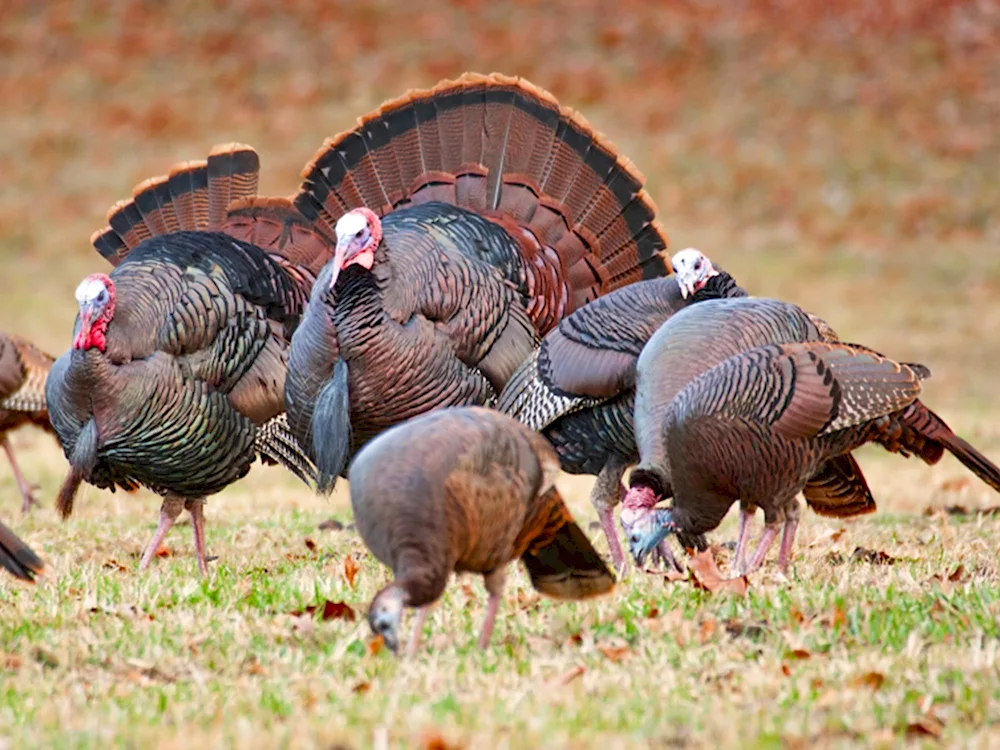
350	570
957	574
113	564
163	551
375	645
328	611
361	687
928	726
785	670
798	653
828	537
331	524
10	662
871	680
707	628
527	600
669	575
955	485
310	545
576	639
705	574
615	653
566	677
873	557
652	612
434	741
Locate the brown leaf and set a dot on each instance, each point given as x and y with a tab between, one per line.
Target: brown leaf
799	653
350	570
955	485
527	600
615	653
337	611
375	645
705	574
163	551
785	670
828	537
10	662
434	741
872	557
707	628
361	687
872	680
113	564
576	639
652	613
928	726
331	524
957	574
310	545
566	677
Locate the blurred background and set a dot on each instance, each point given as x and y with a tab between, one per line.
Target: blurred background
841	155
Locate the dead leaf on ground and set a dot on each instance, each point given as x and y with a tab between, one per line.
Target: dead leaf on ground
527	600
350	570
375	645
705	574
310	545
434	741
615	653
828	537
669	575
331	524
799	654
113	564
566	677
871	680
652	612
956	576
10	662
328	611
927	726
361	687
872	557
163	551
707	628
955	485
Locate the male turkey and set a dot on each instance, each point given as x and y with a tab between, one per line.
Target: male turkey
23	370
17	558
470	219
743	400
466	490
578	388
175	378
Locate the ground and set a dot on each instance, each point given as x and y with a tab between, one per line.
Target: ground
841	156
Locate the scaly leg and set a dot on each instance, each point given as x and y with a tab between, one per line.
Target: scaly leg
197	510
788	537
27	491
747	512
766	540
171	508
607	493
418	629
494	585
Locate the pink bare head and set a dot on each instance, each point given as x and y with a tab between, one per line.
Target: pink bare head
96	297
359	233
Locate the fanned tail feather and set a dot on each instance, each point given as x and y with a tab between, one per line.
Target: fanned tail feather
929	426
568	566
532	403
17	557
276	444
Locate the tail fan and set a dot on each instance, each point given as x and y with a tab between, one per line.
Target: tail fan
504	148
919	421
216	195
17	558
839	489
331	428
568	566
276	444
528	399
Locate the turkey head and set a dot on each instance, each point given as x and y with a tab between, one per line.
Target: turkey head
96	297
359	233
693	270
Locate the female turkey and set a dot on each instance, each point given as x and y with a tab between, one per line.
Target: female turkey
176	374
17	558
466	490
23	370
743	400
469	219
578	388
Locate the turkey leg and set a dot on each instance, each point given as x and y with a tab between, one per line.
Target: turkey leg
608	493
494	585
766	540
197	510
418	630
171	508
788	537
27	491
746	519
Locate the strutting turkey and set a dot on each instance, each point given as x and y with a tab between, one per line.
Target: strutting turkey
578	388
17	558
470	219
23	370
466	490
767	409
176	375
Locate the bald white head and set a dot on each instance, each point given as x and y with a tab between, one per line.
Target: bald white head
693	270
359	233
92	289
351	226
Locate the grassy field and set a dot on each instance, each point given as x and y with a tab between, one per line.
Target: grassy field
844	158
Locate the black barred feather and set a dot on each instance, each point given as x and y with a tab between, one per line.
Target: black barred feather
17	558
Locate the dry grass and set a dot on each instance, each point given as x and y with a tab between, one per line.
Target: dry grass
841	157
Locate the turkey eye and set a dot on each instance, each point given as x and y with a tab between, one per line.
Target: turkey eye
697	266
359	233
102	296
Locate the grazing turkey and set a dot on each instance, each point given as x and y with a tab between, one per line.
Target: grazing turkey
578	388
17	558
175	378
466	490
23	370
469	219
768	409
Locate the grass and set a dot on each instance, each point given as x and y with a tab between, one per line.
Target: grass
840	156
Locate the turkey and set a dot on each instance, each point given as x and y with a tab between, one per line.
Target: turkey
17	558
744	400
469	219
23	370
578	388
175	378
466	490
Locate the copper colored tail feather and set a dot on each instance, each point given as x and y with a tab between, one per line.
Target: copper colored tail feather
505	148
17	558
67	493
568	567
929	425
839	489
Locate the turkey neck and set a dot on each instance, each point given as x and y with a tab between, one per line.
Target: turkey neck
357	303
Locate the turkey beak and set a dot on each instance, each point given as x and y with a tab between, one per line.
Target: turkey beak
647	532
339	256
385	625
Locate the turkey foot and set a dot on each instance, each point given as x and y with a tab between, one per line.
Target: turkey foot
197	510
171	508
418	629
494	585
766	540
743	530
27	490
787	539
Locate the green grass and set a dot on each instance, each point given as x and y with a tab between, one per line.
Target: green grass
844	159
